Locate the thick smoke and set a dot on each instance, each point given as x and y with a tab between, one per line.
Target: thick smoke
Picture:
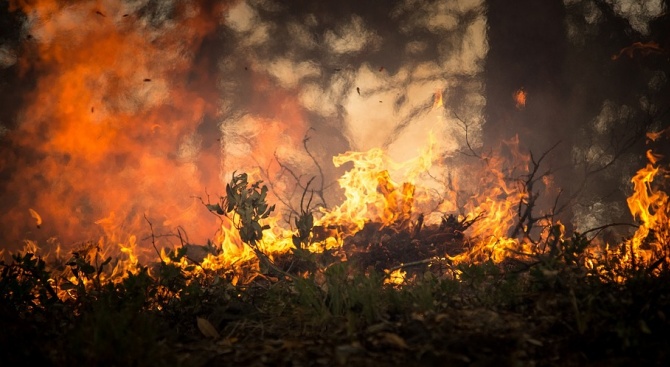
109	137
140	106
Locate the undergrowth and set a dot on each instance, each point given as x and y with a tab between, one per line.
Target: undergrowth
552	308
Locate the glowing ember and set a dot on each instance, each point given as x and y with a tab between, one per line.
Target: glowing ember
396	277
520	98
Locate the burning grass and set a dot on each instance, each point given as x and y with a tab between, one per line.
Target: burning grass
551	311
387	288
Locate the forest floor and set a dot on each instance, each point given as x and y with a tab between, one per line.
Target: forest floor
339	308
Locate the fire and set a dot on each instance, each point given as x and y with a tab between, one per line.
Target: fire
112	103
110	129
520	98
649	205
493	205
396	277
370	192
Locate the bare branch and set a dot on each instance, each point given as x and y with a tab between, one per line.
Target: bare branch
153	239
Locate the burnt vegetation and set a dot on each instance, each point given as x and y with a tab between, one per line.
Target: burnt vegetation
401	292
339	306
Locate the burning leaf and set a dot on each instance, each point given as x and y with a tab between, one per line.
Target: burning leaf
36	216
643	48
653	136
207	329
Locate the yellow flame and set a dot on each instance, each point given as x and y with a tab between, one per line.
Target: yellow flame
370	192
649	206
396	277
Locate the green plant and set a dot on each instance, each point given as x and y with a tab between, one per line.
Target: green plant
248	202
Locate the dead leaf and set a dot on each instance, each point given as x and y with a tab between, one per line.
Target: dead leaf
207	329
227	342
291	344
394	340
644	327
534	341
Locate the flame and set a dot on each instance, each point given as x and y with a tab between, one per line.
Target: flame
493	205
370	192
111	125
520	98
396	277
649	205
113	133
655	135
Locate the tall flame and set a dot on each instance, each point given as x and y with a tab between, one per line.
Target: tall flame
370	192
649	205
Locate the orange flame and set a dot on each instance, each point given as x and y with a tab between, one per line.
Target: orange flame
649	205
371	194
520	98
111	128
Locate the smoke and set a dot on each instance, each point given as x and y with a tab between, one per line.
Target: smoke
140	107
347	78
131	113
110	133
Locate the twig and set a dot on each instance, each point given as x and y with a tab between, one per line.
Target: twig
318	167
264	258
526	218
419	262
467	140
153	239
603	227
